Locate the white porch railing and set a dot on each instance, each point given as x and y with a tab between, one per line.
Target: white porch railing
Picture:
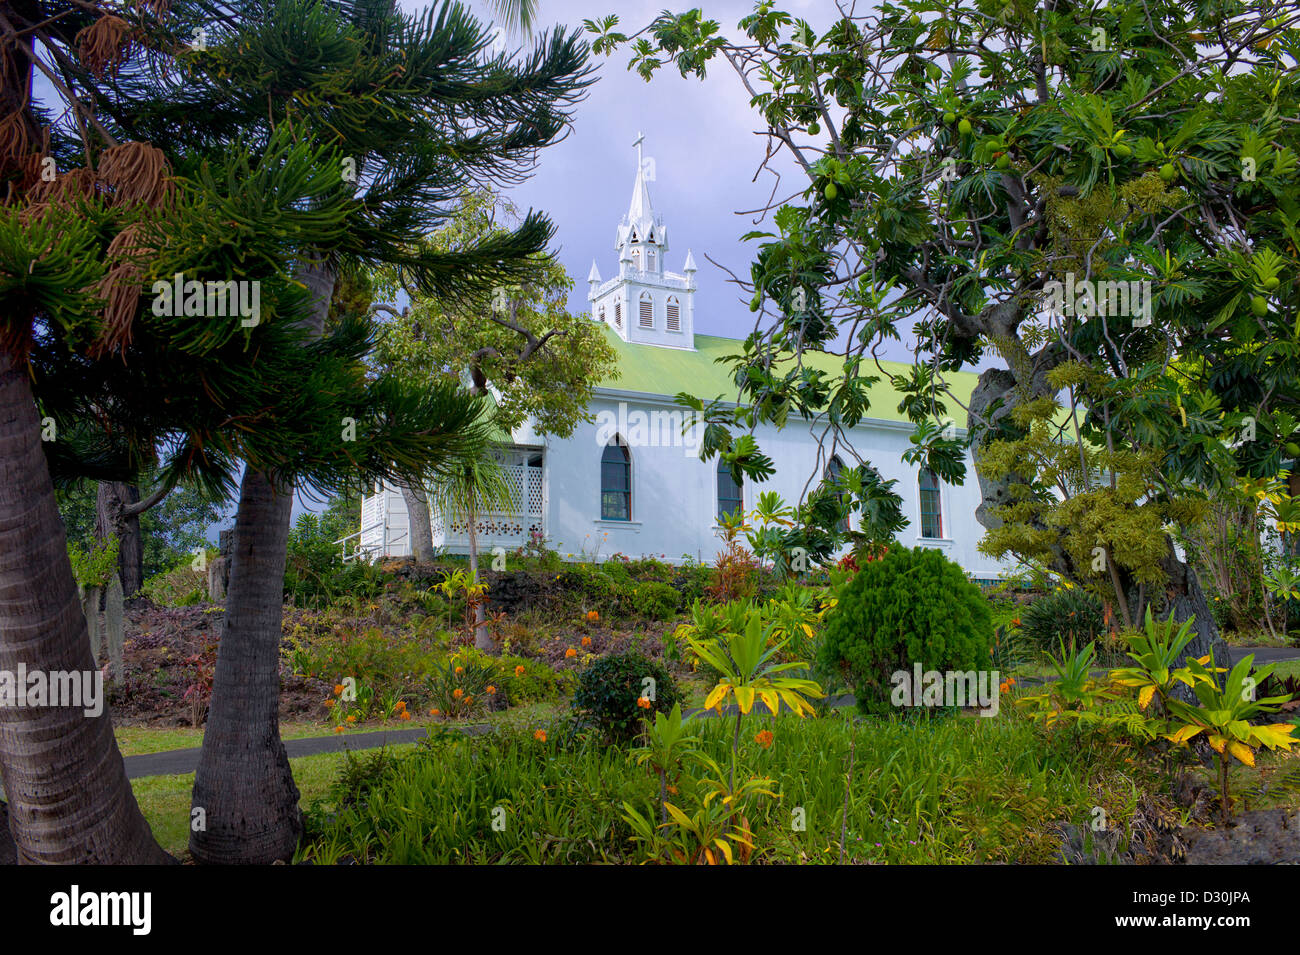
359	551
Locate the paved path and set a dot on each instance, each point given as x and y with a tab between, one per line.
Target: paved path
181	761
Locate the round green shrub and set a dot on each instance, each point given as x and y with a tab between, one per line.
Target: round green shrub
654	600
537	684
911	606
1068	618
609	688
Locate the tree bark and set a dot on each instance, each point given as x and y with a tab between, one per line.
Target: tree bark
69	799
244	783
115	519
8	851
419	527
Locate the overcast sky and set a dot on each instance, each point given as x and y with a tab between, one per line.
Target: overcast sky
701	135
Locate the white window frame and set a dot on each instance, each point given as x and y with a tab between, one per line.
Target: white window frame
945	529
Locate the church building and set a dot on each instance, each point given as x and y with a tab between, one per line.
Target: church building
630	482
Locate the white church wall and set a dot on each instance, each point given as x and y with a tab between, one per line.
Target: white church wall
674	494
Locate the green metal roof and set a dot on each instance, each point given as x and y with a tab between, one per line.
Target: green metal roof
651	369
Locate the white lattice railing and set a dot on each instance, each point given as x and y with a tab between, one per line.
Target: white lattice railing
524	516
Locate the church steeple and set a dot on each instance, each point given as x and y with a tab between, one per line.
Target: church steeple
642	236
644	302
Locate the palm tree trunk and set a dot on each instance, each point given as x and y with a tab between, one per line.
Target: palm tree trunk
418	524
481	639
8	851
244	785
69	799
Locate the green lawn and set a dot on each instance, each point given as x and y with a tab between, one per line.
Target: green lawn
165	800
138	740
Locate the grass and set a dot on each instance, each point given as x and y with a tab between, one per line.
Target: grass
165	800
924	791
139	740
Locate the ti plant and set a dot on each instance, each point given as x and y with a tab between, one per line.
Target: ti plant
747	662
705	836
716	828
1224	717
1157	653
1073	692
669	743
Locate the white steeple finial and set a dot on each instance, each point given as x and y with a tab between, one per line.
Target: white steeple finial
645	304
690	263
640	215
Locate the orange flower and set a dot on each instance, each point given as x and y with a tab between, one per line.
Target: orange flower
764	738
519	670
673	790
329	704
401	706
435	712
593	616
570	653
586	641
339	729
457	693
469	700
459	670
351	718
540	735
1016	622
642	702
405	715
338	689
491	690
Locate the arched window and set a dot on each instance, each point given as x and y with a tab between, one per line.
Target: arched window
833	471
650	260
616	482
647	311
636	259
931	505
602	314
618	314
731	497
674	314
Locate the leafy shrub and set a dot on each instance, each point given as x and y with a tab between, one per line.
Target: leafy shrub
610	688
655	600
1067	618
691	582
735	574
315	574
648	568
537	684
460	689
181	586
399	665
912	606
595	589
